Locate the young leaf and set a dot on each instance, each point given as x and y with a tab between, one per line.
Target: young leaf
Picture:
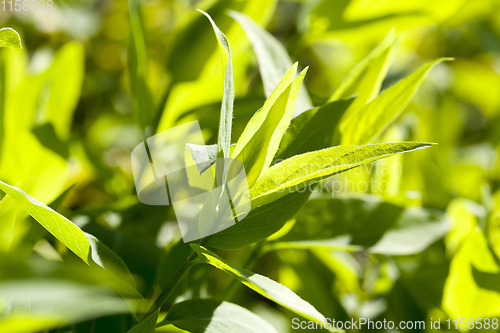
226	113
10	38
147	325
272	57
260	140
262	285
302	170
365	79
85	246
212	316
367	123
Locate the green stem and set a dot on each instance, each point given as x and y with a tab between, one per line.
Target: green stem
228	293
177	278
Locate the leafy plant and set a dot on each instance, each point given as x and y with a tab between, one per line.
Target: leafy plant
81	253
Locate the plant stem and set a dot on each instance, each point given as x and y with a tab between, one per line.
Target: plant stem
177	278
228	293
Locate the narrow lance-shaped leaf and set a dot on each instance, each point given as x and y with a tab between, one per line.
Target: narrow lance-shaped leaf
302	170
312	130
260	140
212	316
273	59
85	246
226	112
263	285
10	38
367	123
365	79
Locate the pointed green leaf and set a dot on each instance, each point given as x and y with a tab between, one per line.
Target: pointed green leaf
212	316
10	38
262	285
226	114
367	123
302	170
365	79
85	246
147	325
273	59
260	140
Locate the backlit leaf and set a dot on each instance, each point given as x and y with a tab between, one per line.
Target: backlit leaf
260	140
10	38
85	246
262	285
367	123
302	170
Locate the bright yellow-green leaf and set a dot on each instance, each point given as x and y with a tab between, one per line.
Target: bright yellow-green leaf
263	285
367	123
260	140
85	246
302	170
463	297
365	79
10	38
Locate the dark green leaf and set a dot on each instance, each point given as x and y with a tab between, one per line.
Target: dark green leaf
211	316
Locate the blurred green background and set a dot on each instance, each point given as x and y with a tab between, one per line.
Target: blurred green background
87	88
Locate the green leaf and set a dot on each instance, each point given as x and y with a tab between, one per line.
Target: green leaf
226	114
272	57
64	84
471	268
212	316
260	140
365	79
147	325
260	223
302	170
364	224
10	38
365	124
137	66
312	130
85	246
262	285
